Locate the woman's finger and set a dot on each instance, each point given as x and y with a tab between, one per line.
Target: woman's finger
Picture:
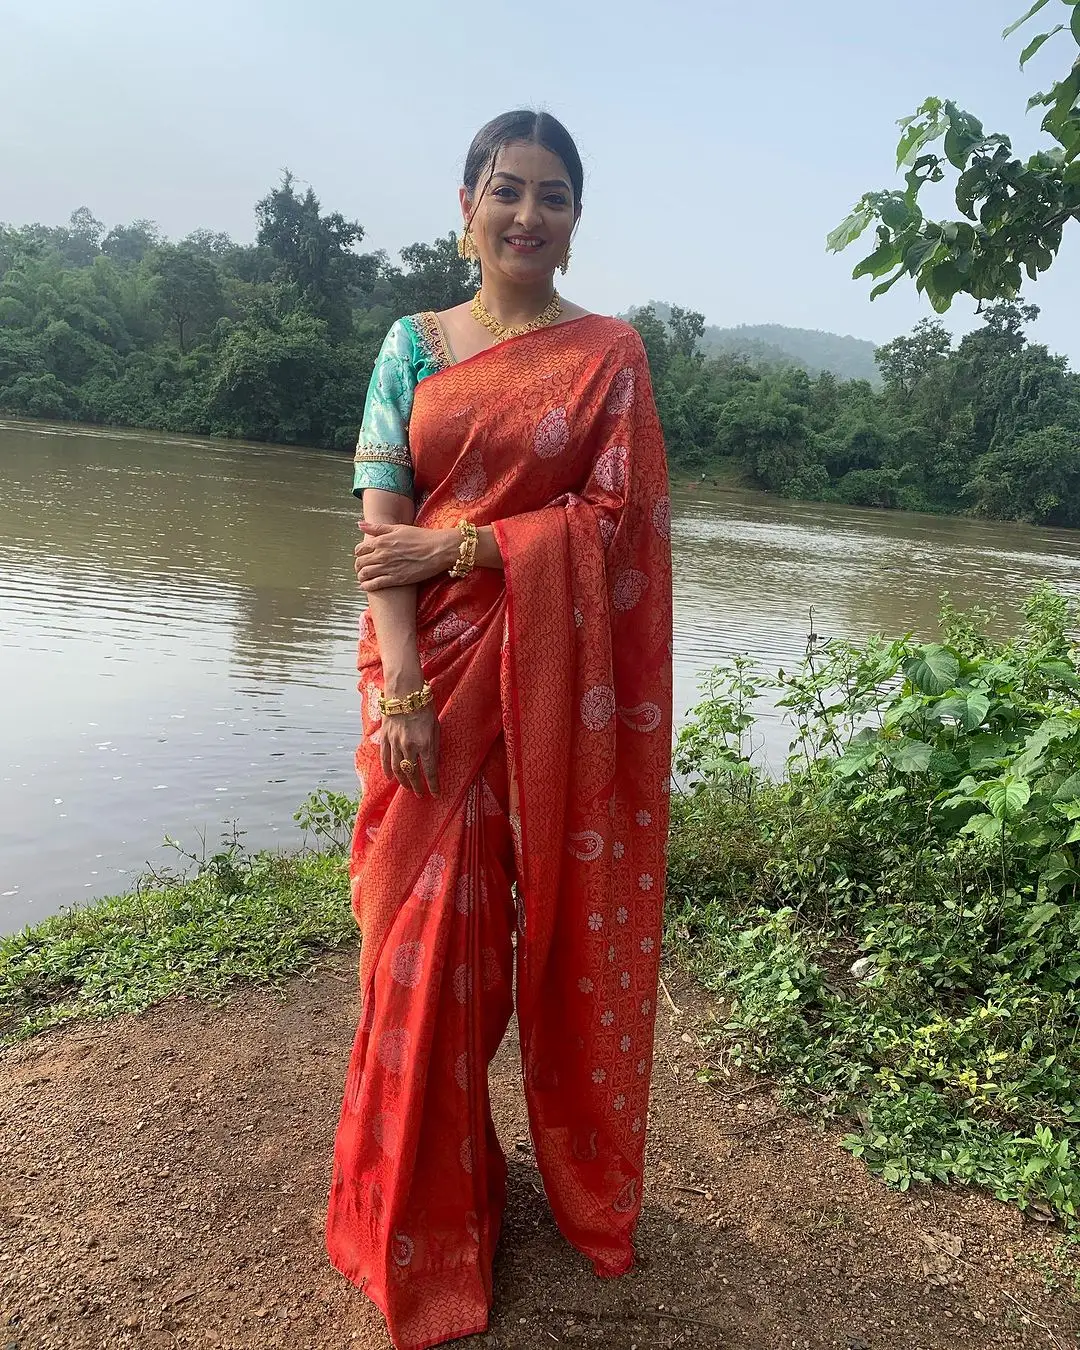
410	777
429	759
386	754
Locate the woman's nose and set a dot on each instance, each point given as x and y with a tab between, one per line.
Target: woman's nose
528	215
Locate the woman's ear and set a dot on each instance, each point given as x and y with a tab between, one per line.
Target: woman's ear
466	206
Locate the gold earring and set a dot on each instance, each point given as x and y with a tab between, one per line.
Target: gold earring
466	246
565	264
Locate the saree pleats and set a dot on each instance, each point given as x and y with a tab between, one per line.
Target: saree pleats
553	686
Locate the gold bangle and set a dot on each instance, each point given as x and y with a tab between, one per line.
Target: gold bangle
466	558
395	707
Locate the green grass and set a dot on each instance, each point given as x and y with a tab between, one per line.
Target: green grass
258	917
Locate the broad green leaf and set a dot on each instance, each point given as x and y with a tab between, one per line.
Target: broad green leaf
978	705
1061	672
944	764
952	708
1069	791
849	229
1031	834
920	252
857	757
986	750
884	286
883	259
908	756
1074	23
984	826
1039	916
1007	798
961	139
934	670
1039	4
896	213
1035	43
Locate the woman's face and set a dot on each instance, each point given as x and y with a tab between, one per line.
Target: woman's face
525	215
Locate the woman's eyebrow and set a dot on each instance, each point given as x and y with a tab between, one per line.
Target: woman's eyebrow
548	183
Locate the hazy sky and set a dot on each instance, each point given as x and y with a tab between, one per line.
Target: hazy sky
721	140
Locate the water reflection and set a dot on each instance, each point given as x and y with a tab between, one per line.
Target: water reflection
177	632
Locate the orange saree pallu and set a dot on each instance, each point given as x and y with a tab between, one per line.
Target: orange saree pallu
540	866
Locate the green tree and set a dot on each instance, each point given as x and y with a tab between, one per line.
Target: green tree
434	276
687	327
315	253
1034	478
131	243
188	289
907	360
1012	211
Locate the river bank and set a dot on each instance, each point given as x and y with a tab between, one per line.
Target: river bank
163	1181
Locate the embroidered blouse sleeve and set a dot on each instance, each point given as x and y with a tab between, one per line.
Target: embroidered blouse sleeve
382	458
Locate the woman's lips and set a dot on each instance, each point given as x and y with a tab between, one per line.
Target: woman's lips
524	243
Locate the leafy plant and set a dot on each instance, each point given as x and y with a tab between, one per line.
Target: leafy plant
894	923
1012	211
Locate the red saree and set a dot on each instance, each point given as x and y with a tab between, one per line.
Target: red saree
553	685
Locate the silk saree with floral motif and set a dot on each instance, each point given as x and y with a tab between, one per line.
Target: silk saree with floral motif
535	880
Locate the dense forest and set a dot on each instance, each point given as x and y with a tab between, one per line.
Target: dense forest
275	340
990	427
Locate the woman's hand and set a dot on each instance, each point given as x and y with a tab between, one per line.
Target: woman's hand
412	738
402	555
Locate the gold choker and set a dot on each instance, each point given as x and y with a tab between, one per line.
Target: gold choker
501	331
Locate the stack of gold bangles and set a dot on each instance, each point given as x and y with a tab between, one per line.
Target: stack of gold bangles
466	558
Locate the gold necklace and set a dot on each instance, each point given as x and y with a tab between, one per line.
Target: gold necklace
501	331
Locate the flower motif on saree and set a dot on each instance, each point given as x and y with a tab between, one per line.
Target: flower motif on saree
463	984
630	586
621	397
386	1131
610	471
407	964
393	1049
470	479
642	717
586	846
429	882
661	517
552	435
627	1198
598	706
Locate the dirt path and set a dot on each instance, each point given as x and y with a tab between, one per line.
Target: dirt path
162	1184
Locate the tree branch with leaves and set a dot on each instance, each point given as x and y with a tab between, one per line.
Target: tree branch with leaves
1012	212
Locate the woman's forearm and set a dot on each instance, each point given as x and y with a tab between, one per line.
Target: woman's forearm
393	611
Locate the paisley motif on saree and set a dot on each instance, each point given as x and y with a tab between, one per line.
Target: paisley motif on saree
553	685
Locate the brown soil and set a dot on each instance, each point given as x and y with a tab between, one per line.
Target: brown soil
162	1183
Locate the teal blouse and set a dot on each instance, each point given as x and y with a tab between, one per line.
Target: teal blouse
413	349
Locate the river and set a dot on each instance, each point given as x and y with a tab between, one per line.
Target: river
178	620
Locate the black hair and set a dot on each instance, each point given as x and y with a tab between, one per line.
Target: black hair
532	128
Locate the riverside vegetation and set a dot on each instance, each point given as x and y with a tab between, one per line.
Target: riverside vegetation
894	923
275	341
891	924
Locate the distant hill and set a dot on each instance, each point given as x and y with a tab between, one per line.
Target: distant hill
849	358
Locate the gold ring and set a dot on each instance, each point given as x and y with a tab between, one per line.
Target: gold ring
406	766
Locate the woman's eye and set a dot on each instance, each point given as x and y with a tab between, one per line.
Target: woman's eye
504	194
555	199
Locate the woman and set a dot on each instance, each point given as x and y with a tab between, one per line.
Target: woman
515	669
